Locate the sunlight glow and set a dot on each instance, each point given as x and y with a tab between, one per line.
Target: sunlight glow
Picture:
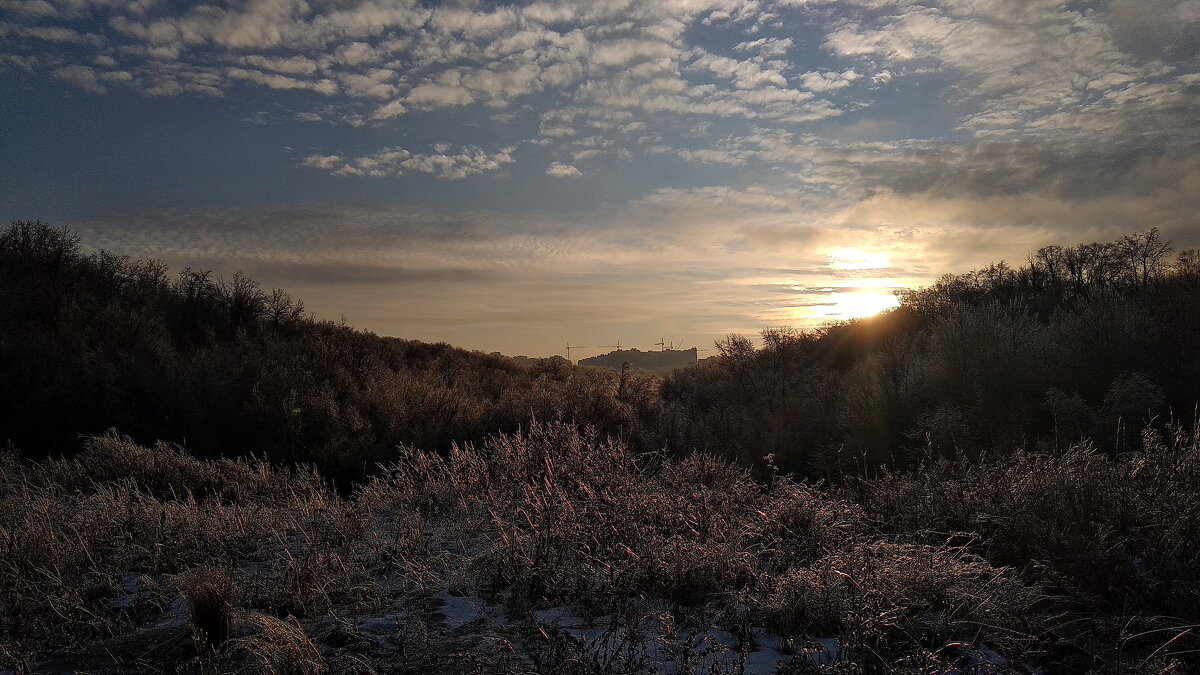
857	259
855	305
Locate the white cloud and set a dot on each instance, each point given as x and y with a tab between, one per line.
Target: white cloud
397	161
828	81
1014	65
389	110
373	84
446	90
633	78
324	162
421	59
453	167
293	65
277	81
560	170
356	53
745	74
767	47
621	53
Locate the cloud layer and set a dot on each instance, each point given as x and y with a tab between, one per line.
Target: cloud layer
698	161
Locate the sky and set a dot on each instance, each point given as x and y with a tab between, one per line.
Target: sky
513	176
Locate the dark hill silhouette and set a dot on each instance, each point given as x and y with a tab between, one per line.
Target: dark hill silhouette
654	361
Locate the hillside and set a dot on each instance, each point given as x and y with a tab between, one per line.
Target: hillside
1091	341
664	361
226	368
998	476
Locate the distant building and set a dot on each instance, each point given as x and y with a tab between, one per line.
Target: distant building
668	359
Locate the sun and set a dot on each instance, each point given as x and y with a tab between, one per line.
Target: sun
856	304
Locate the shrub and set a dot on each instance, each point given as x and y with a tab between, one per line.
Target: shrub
209	595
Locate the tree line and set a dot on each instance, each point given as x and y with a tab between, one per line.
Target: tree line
1094	340
224	367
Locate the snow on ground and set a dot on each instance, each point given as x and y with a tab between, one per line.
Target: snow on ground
669	651
459	610
382	625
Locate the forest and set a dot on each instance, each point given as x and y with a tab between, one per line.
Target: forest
997	476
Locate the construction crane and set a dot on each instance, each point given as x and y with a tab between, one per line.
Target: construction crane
616	346
571	346
661	344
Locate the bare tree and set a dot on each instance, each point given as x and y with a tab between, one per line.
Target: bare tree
243	300
1187	265
1143	256
282	311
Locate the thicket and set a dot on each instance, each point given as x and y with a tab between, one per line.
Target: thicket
1091	341
226	368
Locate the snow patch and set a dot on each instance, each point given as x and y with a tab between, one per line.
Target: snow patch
460	610
668	652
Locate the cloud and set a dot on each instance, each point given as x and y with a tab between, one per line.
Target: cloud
745	74
80	76
446	90
767	47
54	34
646	267
560	170
963	125
374	84
25	63
1014	65
1150	29
699	261
277	81
1016	61
336	272
418	58
398	161
29	8
828	81
293	65
389	110
323	162
623	52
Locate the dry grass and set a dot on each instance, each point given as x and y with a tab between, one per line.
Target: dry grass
101	545
279	647
271	570
209	595
1109	537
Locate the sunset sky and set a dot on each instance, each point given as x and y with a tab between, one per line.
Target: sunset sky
513	176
